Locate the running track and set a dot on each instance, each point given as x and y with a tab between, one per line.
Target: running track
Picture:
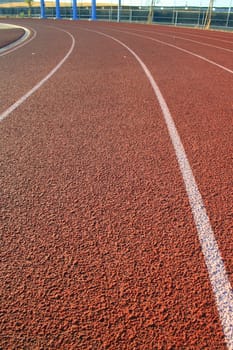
100	248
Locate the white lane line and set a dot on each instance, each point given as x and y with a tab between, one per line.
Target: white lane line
19	43
214	262
178	48
174	36
209	37
38	85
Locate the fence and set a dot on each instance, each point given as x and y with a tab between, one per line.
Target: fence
221	18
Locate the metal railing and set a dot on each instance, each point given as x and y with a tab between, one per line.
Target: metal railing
221	18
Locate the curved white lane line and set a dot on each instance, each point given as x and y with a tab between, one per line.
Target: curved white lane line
186	39
217	273
177	48
38	85
19	43
210	37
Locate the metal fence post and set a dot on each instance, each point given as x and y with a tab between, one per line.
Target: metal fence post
130	15
93	10
228	14
176	18
119	11
110	14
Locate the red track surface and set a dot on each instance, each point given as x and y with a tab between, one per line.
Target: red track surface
99	249
8	36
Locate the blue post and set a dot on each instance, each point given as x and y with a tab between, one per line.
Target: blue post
93	10
42	9
58	14
74	9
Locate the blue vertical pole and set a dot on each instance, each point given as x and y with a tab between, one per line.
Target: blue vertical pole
74	9
93	10
42	9
58	14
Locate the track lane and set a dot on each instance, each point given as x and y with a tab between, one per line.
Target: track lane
106	187
213	259
182	33
200	134
185	38
31	63
224	37
22	99
222	59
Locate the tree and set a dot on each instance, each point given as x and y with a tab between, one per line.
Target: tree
208	15
151	11
29	3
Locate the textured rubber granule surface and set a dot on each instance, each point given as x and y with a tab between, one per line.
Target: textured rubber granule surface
98	245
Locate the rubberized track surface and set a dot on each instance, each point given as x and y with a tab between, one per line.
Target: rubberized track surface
10	35
99	249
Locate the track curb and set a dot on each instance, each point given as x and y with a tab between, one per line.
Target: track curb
16	42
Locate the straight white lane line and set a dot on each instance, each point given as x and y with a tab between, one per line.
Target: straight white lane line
177	48
214	262
19	43
38	85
